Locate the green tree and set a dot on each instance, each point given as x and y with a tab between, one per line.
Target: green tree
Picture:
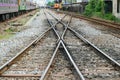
95	6
50	4
100	7
90	8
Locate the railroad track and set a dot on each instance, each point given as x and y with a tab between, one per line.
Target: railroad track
71	57
91	63
113	32
46	75
86	41
94	64
61	68
95	20
29	63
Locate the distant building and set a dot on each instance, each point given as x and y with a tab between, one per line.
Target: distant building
68	1
116	8
73	1
108	6
75	5
112	6
82	0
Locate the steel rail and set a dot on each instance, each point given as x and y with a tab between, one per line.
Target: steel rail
63	17
6	66
68	54
62	23
58	19
72	61
55	25
88	42
20	75
62	37
52	26
50	63
55	52
66	28
99	21
61	41
96	48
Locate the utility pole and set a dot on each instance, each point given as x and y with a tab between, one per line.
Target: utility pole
65	1
71	5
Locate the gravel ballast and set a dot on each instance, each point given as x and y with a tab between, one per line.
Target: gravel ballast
10	47
104	37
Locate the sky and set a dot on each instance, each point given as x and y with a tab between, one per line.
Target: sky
41	2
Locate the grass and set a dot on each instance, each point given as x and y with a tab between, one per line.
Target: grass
9	32
5	36
107	16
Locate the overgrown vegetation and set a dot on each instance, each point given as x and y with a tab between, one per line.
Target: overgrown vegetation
96	8
5	36
50	4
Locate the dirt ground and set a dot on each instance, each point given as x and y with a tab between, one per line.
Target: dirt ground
8	28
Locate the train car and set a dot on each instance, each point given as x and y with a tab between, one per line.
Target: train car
78	6
27	5
12	8
58	4
30	5
33	6
22	5
7	8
